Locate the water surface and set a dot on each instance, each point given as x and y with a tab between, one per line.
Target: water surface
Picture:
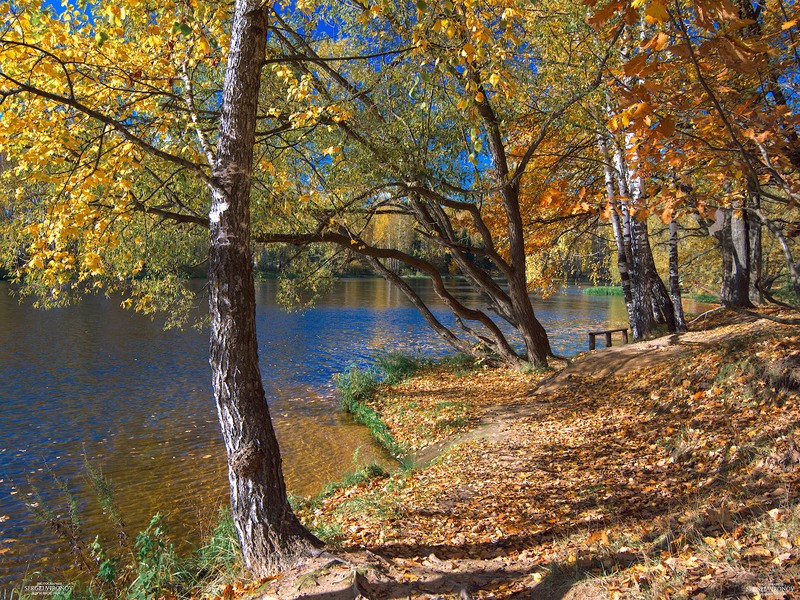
95	381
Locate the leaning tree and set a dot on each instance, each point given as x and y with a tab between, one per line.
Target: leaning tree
414	115
116	124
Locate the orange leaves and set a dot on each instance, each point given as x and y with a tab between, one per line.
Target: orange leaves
758	138
655	11
666	127
601	16
635	66
737	54
595	473
658	42
709	12
554	195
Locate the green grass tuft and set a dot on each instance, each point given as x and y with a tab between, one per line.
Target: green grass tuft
144	568
461	364
219	558
356	386
359	475
709	298
399	366
603	290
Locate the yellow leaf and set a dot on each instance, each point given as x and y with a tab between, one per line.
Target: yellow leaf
204	45
93	263
655	13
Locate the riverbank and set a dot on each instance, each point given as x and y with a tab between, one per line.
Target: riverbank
113	386
663	469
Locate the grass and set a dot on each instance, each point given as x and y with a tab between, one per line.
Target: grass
785	293
603	290
309	508
219	558
396	367
358	386
360	475
460	364
707	298
615	290
140	568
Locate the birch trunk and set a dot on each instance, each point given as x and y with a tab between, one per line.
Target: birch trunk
616	224
268	530
643	322
674	278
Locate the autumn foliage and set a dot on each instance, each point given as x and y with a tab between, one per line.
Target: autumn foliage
507	142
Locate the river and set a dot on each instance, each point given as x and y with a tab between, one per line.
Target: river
95	381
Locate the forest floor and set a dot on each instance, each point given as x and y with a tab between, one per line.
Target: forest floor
663	469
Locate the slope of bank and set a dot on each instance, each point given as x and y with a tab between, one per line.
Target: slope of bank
657	470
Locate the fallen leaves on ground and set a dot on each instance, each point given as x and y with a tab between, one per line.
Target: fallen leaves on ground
671	482
441	402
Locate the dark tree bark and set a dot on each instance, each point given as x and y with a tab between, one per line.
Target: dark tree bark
269	532
642	283
533	334
735	248
674	278
662	300
756	258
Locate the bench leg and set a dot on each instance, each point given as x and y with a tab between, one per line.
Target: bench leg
608	339
591	342
625	337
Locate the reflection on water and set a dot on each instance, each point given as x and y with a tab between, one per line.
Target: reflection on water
97	381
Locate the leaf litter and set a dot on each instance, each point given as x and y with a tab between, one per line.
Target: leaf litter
673	474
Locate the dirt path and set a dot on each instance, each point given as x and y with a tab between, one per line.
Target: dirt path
642	471
597	365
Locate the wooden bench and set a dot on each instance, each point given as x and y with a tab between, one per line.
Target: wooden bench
607	333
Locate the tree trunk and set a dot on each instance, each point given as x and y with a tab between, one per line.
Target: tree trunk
269	532
616	223
777	231
643	322
735	259
740	277
643	284
662	301
756	258
674	279
537	344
